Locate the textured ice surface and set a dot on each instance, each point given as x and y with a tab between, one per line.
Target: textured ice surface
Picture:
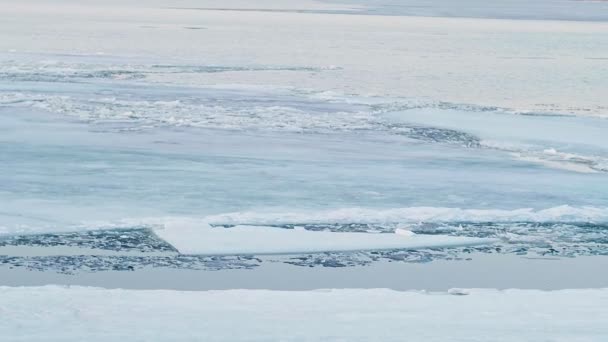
117	177
347	123
331	315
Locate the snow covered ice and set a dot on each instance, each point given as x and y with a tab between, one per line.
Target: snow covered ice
63	314
171	138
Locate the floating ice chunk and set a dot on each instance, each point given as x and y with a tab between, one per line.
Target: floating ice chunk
404	232
199	238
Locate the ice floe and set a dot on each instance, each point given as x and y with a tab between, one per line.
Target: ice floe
201	239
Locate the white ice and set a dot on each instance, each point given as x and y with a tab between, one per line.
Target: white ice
93	314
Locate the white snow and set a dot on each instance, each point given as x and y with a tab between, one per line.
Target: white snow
76	314
190	237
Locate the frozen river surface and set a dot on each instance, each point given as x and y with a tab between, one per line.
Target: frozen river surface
459	129
167	147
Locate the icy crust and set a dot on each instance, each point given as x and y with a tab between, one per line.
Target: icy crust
202	239
94	314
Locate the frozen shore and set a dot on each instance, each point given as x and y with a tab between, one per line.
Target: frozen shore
75	313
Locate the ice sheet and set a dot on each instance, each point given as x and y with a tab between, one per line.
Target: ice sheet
76	313
281	113
525	65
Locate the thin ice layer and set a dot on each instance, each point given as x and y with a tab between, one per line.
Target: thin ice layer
76	314
201	239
